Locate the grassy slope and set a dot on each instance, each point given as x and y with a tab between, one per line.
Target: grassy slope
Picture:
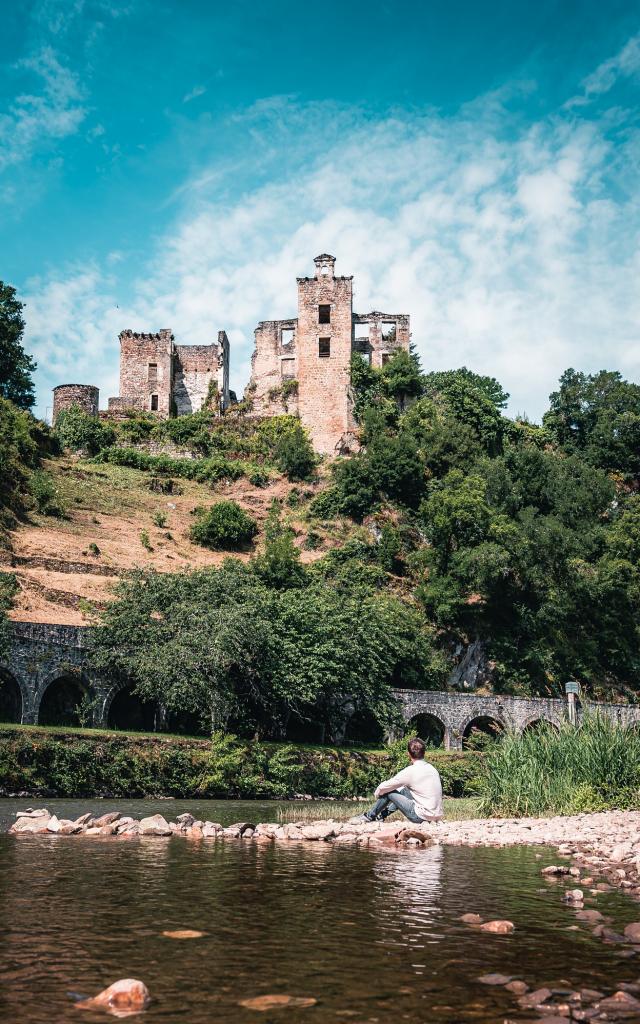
109	506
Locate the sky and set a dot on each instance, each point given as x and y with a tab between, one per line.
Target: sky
177	163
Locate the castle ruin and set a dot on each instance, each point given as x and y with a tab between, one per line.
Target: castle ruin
300	366
171	380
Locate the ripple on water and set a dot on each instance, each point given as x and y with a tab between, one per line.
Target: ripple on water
371	935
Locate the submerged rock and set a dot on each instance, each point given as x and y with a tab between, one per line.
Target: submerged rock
184	933
471	919
498	927
123	998
277	1002
495	979
632	932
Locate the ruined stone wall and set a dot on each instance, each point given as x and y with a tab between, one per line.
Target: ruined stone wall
194	367
380	335
83	395
146	370
323	379
274	361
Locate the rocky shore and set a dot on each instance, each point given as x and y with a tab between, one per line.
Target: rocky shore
606	845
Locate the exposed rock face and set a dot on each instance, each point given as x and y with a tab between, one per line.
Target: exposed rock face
472	670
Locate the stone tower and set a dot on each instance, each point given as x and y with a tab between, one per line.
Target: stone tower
323	345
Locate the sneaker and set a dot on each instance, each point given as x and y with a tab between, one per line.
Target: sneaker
360	819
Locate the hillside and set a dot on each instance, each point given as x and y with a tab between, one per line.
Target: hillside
66	566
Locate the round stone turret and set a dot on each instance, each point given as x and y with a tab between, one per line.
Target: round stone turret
85	396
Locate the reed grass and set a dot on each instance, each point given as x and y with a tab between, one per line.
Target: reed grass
565	770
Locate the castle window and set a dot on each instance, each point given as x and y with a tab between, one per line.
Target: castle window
324	314
286	336
389	331
154	403
288	369
324	347
153	373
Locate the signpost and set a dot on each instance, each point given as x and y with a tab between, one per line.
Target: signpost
572	689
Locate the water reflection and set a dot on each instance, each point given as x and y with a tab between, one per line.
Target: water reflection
373	934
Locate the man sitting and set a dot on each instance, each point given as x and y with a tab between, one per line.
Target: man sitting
416	791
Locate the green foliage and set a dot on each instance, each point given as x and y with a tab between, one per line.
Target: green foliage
159	519
145	540
45	494
76	430
66	764
598	415
389	469
9	587
16	367
279	565
23	442
224	526
387	389
294	454
563	771
203	470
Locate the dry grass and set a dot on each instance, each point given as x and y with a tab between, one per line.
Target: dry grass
342	810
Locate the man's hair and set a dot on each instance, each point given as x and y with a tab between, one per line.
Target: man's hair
416	748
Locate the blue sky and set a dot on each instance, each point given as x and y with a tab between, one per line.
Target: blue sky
177	164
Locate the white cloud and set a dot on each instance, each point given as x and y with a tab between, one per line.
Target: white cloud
34	119
505	243
198	90
624	64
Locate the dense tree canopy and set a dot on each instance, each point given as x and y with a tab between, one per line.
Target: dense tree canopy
16	367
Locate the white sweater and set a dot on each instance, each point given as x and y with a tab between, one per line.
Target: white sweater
423	781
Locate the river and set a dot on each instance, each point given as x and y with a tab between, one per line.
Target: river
373	936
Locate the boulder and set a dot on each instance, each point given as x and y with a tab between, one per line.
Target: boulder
155	825
30	825
498	927
123	997
320	832
53	824
106	819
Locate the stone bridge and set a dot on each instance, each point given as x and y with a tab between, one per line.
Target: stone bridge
454	715
45	676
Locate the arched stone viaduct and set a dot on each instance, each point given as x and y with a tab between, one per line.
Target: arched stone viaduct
41	656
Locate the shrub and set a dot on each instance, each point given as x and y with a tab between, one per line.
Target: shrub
77	430
224	526
202	470
294	454
159	519
145	541
45	494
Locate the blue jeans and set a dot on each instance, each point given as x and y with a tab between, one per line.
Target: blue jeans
398	800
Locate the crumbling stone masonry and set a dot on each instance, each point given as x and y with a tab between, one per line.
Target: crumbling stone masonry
169	379
301	365
83	395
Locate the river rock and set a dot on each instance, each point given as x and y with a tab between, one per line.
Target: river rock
210	829
276	1002
534	999
590	916
31	824
122	998
471	919
555	869
40	812
573	896
517	987
620	1004
106	819
632	932
53	824
84	819
495	979
498	927
320	831
185	819
155	825
291	832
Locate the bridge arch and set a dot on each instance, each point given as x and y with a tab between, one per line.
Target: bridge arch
60	695
123	709
429	726
537	720
13	697
483	721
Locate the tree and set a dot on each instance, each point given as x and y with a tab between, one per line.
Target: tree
598	415
279	565
16	366
294	453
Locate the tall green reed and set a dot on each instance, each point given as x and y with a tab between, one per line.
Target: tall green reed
563	770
